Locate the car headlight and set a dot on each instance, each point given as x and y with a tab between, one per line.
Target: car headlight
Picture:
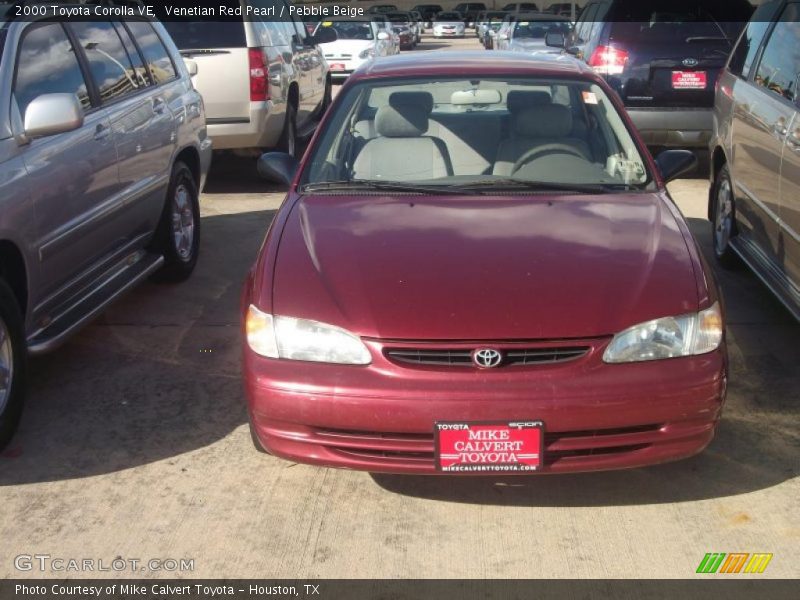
672	337
303	340
367	53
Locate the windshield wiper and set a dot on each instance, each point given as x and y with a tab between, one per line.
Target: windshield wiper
545	186
383	186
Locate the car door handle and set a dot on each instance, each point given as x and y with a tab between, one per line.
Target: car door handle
159	106
102	133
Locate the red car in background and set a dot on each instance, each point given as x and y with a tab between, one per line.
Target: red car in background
478	270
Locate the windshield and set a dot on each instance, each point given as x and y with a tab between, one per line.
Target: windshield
398	18
465	134
448	16
351	30
537	30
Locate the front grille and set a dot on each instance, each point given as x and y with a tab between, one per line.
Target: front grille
463	358
560	447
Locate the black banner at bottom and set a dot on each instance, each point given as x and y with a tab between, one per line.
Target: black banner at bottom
242	589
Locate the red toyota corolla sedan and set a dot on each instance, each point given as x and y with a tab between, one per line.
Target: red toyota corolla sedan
478	270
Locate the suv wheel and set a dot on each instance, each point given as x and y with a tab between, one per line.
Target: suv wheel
178	235
724	223
288	141
13	362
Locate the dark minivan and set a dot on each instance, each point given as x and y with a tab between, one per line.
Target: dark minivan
663	57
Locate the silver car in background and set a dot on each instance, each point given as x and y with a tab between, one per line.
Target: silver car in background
448	24
527	33
103	153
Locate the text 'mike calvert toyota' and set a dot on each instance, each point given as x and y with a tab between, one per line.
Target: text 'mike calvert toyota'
478	269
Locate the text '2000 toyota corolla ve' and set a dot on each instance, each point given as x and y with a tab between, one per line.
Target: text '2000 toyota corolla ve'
478	270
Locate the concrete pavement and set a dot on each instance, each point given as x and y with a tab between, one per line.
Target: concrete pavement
134	444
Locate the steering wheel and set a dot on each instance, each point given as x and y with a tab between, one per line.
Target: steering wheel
543	151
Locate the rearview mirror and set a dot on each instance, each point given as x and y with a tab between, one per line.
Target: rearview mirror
51	114
555	40
674	163
324	35
278	167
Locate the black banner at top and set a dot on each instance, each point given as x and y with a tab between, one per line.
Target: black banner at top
183	10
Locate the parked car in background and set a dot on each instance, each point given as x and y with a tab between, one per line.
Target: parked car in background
528	33
357	42
383	322
489	28
448	24
755	195
428	12
384	24
419	20
103	153
470	11
264	83
404	19
663	58
484	23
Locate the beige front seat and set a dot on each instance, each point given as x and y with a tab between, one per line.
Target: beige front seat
402	151
538	131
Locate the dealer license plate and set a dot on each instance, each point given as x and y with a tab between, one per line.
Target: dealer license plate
515	447
689	80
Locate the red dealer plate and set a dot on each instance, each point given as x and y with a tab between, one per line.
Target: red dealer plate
337	66
489	447
689	80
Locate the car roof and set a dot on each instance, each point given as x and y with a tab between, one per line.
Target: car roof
468	63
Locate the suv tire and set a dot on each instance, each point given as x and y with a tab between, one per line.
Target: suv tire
13	364
178	234
723	224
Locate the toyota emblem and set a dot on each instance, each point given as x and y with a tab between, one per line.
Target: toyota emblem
690	62
487	358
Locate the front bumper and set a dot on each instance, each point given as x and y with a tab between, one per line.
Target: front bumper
675	128
381	418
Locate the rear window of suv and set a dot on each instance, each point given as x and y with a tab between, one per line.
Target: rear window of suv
679	21
196	35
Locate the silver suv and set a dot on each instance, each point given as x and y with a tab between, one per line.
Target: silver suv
265	83
103	152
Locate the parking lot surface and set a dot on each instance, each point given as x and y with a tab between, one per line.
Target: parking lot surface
135	444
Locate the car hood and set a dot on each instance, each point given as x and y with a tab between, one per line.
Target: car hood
483	268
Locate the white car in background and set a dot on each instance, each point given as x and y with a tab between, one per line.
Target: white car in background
448	24
357	42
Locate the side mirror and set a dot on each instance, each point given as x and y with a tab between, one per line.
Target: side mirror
555	40
674	163
324	35
51	114
502	36
382	35
278	167
191	66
